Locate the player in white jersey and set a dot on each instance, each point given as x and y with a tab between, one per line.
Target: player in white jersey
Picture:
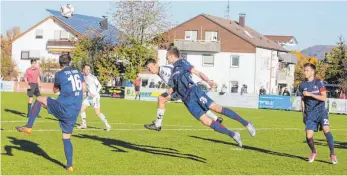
92	99
164	72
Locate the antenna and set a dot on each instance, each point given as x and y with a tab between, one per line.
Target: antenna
227	12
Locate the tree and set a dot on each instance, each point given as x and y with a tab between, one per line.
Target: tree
48	65
140	21
142	25
337	64
106	65
8	66
99	55
81	52
136	54
299	67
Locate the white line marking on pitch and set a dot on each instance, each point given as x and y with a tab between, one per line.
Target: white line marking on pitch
174	129
135	124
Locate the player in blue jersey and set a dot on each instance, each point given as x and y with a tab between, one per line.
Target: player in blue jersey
315	115
70	83
196	100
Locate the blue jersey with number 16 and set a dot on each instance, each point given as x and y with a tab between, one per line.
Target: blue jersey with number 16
70	82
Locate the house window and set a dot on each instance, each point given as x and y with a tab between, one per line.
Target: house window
25	55
234	61
234	86
208	60
64	35
191	35
184	56
61	35
57	34
211	36
39	33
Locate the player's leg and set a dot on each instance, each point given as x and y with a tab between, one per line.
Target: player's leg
213	116
196	110
33	113
330	139
85	105
311	127
233	115
156	125
99	114
68	150
30	94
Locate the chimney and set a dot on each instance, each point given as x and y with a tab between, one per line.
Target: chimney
242	19
104	23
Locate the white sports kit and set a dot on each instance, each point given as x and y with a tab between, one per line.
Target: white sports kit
93	89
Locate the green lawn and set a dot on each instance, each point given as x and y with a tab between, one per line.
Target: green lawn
184	146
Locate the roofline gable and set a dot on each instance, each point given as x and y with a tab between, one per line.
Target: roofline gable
55	19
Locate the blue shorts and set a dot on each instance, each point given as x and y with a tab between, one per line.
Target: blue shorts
197	102
66	117
316	120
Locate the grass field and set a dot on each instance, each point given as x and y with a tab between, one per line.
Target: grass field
184	146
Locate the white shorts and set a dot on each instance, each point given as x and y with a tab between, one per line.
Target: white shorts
95	102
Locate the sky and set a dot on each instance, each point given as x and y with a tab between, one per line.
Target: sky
310	22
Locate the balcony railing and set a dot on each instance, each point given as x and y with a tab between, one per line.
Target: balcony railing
288	58
198	45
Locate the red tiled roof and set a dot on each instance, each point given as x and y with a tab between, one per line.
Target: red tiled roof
255	38
279	38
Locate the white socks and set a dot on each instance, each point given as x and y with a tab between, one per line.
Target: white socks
103	118
84	118
160	115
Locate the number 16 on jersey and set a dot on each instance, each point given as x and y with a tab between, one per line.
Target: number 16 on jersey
76	83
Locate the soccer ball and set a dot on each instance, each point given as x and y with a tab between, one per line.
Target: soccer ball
67	10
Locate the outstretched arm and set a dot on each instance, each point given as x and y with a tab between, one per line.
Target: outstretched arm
203	77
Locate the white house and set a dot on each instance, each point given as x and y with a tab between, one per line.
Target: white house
232	54
55	35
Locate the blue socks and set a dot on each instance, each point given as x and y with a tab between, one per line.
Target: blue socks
231	114
33	113
310	143
330	140
68	152
220	128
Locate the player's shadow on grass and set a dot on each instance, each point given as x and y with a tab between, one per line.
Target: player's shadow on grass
323	142
117	145
16	112
258	149
28	146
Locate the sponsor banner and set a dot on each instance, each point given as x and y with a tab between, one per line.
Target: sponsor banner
337	106
146	94
46	88
113	92
275	102
7	86
235	100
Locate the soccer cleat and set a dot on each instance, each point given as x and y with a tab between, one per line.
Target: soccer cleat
83	126
69	169
108	127
333	159
219	120
152	127
237	138
24	129
251	128
312	157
